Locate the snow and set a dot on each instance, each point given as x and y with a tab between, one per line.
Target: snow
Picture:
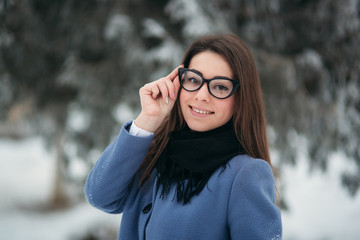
78	120
123	112
153	29
117	26
320	208
26	171
196	22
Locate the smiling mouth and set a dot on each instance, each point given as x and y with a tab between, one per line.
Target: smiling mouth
201	111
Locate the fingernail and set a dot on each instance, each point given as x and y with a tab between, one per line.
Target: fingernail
167	100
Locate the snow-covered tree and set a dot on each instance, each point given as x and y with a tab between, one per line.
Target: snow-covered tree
74	68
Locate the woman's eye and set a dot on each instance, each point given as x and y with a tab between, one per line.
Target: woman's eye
194	81
221	88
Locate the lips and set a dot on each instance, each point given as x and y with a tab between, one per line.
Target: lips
201	111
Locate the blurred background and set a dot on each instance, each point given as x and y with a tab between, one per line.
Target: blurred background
70	71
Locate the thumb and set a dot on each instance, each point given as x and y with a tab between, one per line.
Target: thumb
174	73
176	85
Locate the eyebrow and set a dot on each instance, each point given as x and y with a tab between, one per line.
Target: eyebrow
209	78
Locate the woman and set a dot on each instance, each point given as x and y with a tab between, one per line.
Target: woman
195	163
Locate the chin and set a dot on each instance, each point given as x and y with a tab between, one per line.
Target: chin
199	127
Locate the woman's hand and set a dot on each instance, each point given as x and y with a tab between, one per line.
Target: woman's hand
157	99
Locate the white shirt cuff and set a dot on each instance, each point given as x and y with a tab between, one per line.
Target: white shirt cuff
139	132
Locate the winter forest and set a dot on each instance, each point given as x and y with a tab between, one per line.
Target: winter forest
70	71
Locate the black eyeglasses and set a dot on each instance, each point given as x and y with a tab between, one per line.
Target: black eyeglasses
219	87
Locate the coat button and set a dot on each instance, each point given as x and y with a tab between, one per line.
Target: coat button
147	208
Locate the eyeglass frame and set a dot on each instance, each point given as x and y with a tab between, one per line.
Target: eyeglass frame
235	83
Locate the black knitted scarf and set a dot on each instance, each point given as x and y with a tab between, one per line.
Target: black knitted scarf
191	157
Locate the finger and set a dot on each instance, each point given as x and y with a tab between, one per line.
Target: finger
172	76
174	73
146	90
171	88
155	91
163	89
176	84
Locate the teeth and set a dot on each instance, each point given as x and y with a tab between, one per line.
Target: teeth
201	112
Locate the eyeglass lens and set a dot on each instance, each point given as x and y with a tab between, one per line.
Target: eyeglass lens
220	88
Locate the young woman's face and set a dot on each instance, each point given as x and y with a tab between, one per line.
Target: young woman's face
202	111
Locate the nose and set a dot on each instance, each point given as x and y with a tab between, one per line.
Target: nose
203	94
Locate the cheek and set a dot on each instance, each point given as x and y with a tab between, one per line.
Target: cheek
227	107
182	100
184	97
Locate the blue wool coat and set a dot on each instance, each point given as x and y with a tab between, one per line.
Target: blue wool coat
237	203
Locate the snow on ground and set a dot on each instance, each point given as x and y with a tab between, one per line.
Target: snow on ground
25	181
320	207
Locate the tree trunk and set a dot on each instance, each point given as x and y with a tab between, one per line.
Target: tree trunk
60	196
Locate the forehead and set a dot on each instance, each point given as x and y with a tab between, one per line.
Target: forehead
211	64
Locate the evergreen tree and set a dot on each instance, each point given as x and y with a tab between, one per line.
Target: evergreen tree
72	67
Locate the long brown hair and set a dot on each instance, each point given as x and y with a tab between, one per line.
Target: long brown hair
249	114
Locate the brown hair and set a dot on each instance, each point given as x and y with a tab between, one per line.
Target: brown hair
249	114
